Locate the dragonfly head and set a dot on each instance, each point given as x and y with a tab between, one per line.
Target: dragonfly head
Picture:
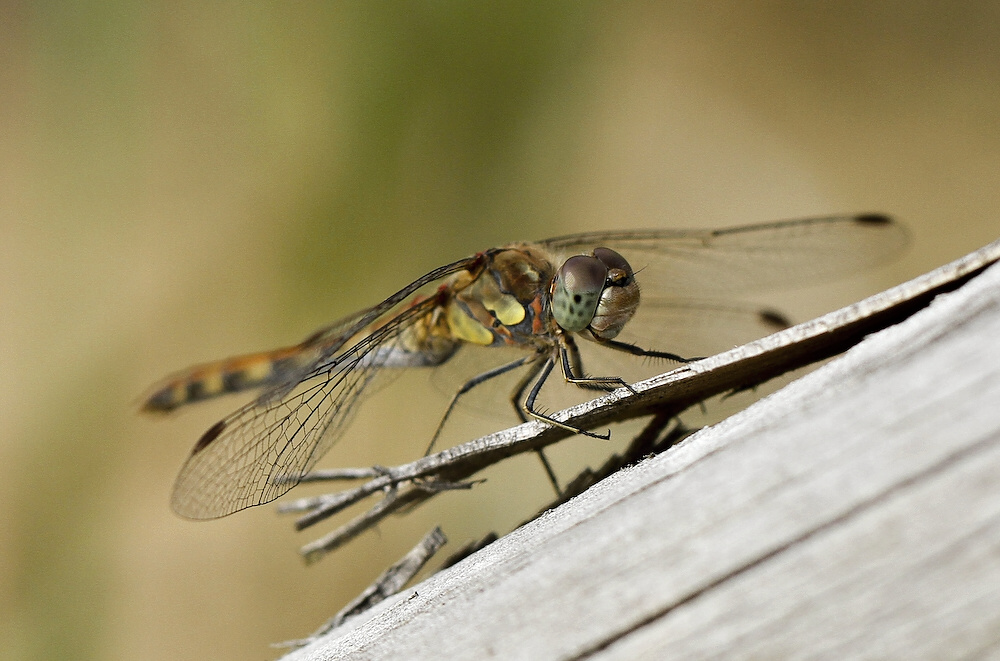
596	292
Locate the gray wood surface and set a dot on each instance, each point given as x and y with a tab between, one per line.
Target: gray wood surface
853	514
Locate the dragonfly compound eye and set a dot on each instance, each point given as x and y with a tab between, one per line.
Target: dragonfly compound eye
620	297
577	291
615	262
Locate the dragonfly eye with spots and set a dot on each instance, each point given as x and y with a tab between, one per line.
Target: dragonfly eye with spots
596	292
576	291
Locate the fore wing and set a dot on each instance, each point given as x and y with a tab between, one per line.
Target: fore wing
693	264
324	344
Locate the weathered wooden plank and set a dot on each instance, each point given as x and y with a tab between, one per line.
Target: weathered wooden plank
854	513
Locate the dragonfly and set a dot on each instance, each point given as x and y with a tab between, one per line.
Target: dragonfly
543	298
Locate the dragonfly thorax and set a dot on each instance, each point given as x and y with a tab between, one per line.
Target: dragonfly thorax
596	292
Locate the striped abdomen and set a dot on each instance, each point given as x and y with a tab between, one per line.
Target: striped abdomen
224	377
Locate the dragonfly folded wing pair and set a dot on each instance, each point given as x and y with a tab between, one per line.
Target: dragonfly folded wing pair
541	297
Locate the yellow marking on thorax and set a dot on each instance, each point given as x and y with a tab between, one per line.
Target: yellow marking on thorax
486	293
478	304
466	328
508	309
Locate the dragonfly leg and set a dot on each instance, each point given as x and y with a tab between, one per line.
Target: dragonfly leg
517	395
572	365
515	400
529	403
469	385
639	351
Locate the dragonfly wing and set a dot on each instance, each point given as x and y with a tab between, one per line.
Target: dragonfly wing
691	264
324	344
694	328
328	341
263	449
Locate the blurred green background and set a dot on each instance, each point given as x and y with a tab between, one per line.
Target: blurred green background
184	181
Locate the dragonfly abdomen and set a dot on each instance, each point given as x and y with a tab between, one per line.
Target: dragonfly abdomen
428	354
221	378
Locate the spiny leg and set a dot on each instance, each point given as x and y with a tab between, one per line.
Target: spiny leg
639	351
536	378
574	353
515	400
529	403
472	383
522	385
572	365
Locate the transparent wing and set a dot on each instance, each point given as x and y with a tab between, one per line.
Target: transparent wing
694	328
262	450
691	264
326	342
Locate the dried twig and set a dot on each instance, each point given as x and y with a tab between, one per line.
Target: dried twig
389	583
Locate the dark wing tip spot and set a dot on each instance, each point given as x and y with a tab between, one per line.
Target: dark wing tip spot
775	319
209	436
873	219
